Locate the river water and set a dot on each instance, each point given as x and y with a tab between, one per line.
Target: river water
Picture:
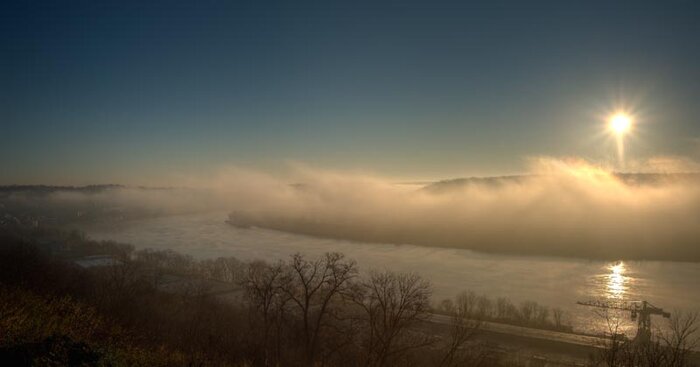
552	281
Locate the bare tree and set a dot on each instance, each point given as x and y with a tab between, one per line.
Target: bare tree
668	348
312	286
502	307
527	311
121	281
466	321
485	306
393	304
558	316
541	315
681	338
155	262
262	285
612	352
225	269
467	303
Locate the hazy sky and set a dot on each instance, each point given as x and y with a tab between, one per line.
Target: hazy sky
133	91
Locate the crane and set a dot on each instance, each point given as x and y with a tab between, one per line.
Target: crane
640	311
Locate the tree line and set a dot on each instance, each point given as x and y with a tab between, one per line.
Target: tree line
299	312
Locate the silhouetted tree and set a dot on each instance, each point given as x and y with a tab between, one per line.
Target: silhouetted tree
313	286
394	304
667	348
263	287
466	321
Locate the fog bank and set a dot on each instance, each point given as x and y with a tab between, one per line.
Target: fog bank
563	208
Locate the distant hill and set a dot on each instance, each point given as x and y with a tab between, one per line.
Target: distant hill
627	178
46	189
88	189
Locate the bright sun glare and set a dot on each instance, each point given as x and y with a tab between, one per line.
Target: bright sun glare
620	123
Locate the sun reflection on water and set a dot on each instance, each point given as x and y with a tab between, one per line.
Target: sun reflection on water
616	281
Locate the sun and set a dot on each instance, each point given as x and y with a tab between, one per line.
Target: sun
620	123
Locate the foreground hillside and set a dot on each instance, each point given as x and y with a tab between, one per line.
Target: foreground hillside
66	300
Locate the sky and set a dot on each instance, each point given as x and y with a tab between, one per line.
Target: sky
143	92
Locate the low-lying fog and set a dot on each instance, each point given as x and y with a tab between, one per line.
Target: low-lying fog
562	208
570	209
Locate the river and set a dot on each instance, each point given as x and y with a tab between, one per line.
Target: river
552	281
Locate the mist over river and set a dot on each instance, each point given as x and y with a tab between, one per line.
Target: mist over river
551	281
